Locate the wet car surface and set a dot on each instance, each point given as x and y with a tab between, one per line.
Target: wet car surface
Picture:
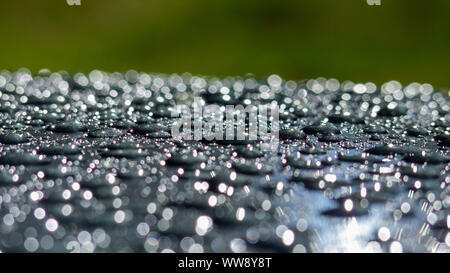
88	163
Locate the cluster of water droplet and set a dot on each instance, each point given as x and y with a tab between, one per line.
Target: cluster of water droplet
88	164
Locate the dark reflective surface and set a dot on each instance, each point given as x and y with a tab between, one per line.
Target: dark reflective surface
88	164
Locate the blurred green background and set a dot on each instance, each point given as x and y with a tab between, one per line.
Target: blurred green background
405	40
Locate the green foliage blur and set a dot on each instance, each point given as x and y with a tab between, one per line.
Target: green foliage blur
404	40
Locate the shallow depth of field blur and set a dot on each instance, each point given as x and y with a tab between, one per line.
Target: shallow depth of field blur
404	40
